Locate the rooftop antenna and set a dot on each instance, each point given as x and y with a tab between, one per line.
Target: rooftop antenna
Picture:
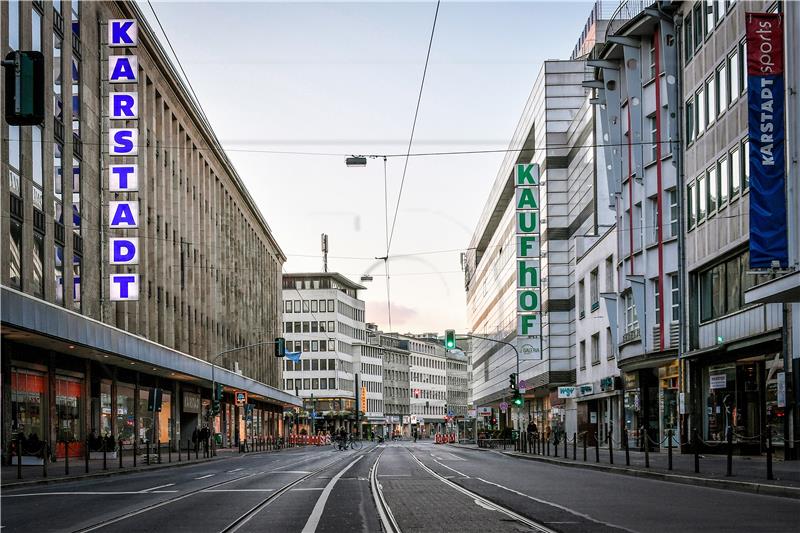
324	252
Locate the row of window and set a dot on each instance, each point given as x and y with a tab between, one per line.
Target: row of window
428	410
374	405
719	184
309	306
311	364
372	386
594	286
717	93
631	316
313	326
396	392
428	378
428	394
700	22
395	375
310	384
427	362
308	346
373	370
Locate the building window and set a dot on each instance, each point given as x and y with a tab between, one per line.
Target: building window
38	264
742	70
702	199
287	306
76	196
745	165
709	8
58	184
652	59
610	352
722	180
15	254
688	38
36	30
657	298
736	167
583	355
59	273
14	160
698	25
76	96
596	349
581	299
734	74
711	174
651	120
13	24
76	11
631	318
690	122
37	149
610	273
722	88
675	297
594	289
313	306
702	116
76	282
672	198
711	100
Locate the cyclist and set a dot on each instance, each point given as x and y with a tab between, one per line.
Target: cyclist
342	438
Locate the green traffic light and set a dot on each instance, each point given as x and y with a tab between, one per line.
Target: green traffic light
518	401
450	339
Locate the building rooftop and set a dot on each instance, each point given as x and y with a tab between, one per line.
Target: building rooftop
341	280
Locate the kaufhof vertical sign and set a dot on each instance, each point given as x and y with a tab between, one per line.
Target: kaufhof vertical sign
123	149
765	101
528	248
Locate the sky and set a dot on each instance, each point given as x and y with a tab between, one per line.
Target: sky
343	78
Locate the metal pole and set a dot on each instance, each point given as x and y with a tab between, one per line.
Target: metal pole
627	447
669	449
44	459
729	470
19	456
696	452
66	457
120	453
769	453
646	447
574	446
610	447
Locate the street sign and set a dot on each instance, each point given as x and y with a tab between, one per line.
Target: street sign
472	413
522	386
451	414
484	411
504	407
241	397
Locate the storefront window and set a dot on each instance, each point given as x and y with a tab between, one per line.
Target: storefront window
668	402
105	408
125	411
145	427
719	382
27	399
69	402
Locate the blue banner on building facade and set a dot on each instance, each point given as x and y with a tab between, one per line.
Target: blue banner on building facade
765	100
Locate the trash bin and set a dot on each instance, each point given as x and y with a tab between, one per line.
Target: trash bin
218	439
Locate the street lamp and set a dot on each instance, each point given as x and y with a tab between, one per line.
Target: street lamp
356	161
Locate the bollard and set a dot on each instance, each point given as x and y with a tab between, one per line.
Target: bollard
669	449
646	447
584	446
696	452
86	455
179	450
596	448
566	441
45	457
188	450
213	446
729	470
147	453
769	454
197	450
610	448
574	446
66	458
105	461
120	452
134	451
627	447
169	451
19	456
158	450
555	446
548	447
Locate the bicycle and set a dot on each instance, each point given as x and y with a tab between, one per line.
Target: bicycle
353	443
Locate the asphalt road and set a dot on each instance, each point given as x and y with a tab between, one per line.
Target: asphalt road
417	487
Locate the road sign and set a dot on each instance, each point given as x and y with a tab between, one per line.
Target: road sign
451	414
241	397
504	407
522	386
484	411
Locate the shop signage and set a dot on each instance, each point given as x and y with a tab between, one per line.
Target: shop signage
586	389
123	145
608	383
484	411
593	417
472	413
405	420
191	402
363	399
526	203
241	397
413	419
567	392
631	380
717	381
765	104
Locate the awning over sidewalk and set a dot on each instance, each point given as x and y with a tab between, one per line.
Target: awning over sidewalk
29	320
785	289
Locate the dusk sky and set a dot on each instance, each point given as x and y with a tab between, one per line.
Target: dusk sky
343	78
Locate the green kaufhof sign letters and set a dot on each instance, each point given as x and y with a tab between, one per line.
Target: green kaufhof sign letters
528	248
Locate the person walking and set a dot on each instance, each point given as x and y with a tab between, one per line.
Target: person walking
195	440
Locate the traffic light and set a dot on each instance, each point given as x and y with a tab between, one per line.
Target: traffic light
518	400
512	382
217	398
280	347
450	339
24	102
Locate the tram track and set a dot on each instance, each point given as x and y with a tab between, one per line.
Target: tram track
210	487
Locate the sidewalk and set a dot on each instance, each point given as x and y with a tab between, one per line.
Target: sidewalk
749	473
34	474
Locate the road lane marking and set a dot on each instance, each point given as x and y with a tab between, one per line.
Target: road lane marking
557	506
234	470
290	472
239	490
206	476
310	488
451	469
384	511
319	507
84	493
394	475
158	487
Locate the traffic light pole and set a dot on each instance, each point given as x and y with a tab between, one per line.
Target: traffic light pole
516	353
213	362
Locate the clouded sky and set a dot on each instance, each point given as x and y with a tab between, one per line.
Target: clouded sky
343	78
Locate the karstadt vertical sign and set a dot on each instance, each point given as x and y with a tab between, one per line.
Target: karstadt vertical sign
123	147
528	293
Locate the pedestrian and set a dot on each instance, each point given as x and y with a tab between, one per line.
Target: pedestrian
195	440
342	438
532	430
205	435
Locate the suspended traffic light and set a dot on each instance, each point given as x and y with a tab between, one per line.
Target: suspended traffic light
24	89
450	339
518	400
280	347
512	382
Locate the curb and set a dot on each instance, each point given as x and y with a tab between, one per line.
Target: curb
740	486
120	471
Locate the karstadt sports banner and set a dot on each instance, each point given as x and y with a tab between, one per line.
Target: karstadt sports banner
765	101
